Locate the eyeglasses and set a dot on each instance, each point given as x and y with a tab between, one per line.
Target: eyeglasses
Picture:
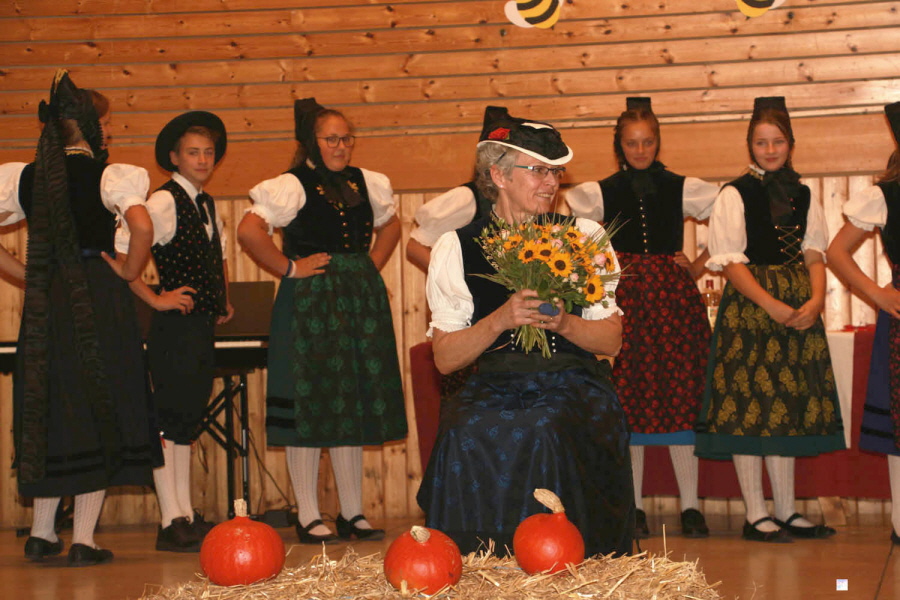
540	171
333	140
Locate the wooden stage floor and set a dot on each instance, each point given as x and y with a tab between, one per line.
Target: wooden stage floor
860	553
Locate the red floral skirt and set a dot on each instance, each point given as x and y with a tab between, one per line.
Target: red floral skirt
660	371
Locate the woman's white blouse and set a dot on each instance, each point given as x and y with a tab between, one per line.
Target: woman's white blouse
277	201
586	199
121	187
448	212
728	231
451	301
867	209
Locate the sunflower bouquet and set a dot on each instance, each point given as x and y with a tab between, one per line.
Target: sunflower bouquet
555	259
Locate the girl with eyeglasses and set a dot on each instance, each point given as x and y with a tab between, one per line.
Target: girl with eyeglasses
333	375
659	374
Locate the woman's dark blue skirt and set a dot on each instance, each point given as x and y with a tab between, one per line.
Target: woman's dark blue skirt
506	433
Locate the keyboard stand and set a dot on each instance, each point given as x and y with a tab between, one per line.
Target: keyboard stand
224	402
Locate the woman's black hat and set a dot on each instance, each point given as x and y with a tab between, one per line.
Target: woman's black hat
534	138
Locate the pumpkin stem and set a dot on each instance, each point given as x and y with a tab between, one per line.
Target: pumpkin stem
240	508
420	534
549	499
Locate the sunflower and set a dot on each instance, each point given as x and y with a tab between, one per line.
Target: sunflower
512	241
560	264
528	252
544	250
594	291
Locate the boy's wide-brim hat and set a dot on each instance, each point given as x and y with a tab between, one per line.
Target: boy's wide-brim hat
174	129
534	138
893	114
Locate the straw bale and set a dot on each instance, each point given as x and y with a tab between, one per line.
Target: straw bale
485	577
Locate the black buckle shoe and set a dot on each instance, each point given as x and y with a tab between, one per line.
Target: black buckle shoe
180	536
779	536
347	530
38	548
641	530
693	525
81	555
306	537
812	532
201	526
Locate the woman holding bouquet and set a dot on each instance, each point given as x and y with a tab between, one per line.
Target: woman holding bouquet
873	207
770	387
333	379
665	321
524	420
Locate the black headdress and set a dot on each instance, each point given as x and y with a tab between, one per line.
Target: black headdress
893	115
636	103
534	138
54	255
336	183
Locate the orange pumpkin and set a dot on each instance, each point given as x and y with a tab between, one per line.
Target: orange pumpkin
241	551
423	559
547	542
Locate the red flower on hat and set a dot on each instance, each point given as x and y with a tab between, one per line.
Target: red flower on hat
501	133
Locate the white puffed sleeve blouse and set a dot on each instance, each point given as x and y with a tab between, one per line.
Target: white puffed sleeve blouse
728	231
278	200
451	301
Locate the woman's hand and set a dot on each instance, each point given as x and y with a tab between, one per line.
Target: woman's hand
805	316
520	309
887	298
314	264
781	312
556	322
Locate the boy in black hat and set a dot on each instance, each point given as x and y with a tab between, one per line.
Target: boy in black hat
192	297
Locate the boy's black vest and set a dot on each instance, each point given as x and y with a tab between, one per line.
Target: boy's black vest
489	296
647	225
890	233
96	226
324	227
191	258
766	243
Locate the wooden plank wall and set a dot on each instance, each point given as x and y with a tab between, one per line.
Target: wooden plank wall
415	76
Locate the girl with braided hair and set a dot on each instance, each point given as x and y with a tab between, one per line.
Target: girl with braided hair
81	414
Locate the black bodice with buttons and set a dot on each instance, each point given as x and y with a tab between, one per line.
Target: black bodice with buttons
489	296
323	226
771	243
890	233
648	225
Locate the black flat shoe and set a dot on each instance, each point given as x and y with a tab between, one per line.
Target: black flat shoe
641	530
81	555
895	538
693	525
779	536
306	537
38	548
347	530
201	526
179	536
813	532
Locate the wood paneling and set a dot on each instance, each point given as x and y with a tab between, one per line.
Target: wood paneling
415	76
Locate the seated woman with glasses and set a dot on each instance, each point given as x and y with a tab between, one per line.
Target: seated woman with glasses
333	375
522	421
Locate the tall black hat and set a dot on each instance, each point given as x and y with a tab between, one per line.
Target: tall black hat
68	101
534	138
637	102
174	129
893	114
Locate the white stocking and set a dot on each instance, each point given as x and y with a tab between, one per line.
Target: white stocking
347	464
687	473
164	481
637	474
749	474
87	511
894	473
303	467
43	520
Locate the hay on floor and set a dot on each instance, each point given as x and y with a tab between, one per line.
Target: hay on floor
485	577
